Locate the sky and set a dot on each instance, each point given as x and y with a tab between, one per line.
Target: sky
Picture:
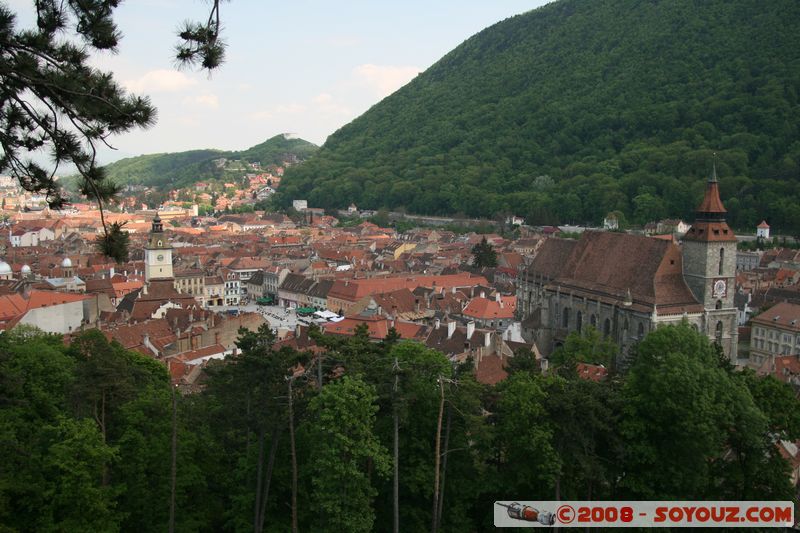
306	67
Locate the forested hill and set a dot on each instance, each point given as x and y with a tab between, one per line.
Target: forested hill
184	168
579	108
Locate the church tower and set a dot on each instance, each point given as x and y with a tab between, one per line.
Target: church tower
157	254
709	267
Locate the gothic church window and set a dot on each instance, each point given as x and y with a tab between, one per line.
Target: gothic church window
565	318
607	327
721	259
579	321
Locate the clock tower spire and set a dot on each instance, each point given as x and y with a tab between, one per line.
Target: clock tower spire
157	253
709	266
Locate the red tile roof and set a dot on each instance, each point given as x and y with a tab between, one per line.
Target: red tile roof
490	309
592	372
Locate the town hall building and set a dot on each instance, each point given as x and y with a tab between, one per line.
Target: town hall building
627	285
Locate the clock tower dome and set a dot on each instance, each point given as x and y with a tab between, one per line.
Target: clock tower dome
157	254
709	267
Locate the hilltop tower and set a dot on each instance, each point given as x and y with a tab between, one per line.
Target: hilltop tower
157	254
709	267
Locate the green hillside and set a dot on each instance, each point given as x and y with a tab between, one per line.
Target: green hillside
579	108
184	168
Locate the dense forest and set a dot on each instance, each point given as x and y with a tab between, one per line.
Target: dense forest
580	108
185	168
94	438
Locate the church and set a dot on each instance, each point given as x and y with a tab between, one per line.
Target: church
627	285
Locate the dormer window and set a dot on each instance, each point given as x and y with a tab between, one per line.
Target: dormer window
159	244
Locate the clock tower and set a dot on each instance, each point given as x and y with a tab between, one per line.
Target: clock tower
709	267
157	254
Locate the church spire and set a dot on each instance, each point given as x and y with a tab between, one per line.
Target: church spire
709	223
711	207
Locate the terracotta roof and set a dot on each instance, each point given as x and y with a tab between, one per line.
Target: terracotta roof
784	314
591	372
605	265
551	258
763	225
353	290
490	309
490	369
787	367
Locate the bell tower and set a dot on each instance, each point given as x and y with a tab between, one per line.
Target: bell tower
709	267
157	253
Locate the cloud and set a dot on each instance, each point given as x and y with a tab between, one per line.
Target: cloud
322	99
326	103
385	79
161	80
203	100
283	109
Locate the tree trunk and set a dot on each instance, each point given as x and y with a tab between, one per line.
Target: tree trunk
319	371
437	457
257	503
103	432
174	467
273	449
294	460
396	457
444	466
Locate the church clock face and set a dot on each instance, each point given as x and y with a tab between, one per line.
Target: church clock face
720	288
160	257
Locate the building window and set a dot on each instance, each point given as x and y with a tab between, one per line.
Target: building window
593	321
579	321
718	305
640	331
565	318
607	327
718	334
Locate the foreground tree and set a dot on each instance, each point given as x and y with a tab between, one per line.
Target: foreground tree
692	429
341	421
53	103
52	100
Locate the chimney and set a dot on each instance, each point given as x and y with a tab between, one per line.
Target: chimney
487	339
470	328
437	323
451	328
497	297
